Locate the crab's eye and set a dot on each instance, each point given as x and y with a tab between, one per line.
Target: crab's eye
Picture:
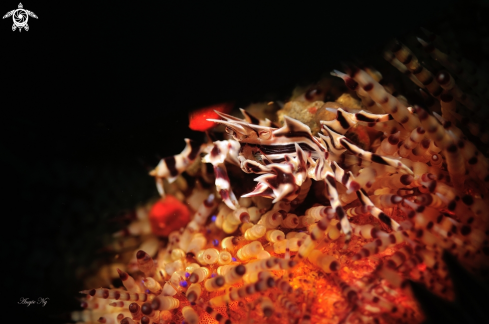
265	134
231	132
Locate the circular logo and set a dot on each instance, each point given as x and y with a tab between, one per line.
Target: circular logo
20	17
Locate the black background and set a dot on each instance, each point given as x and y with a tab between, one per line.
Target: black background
94	88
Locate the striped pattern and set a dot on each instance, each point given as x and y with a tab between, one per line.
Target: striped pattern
170	167
287	156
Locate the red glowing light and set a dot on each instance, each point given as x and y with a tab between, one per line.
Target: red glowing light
198	118
422	267
167	215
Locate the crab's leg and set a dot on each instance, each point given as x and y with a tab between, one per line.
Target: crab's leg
375	211
334	153
345	120
334	199
223	186
170	167
340	140
349	181
218	153
345	178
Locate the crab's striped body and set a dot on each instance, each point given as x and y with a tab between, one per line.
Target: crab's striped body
286	157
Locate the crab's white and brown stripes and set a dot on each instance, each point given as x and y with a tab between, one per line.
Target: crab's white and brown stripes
172	166
291	154
285	158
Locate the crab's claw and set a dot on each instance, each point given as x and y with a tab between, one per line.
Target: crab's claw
279	184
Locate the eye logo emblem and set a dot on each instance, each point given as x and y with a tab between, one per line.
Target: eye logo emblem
20	17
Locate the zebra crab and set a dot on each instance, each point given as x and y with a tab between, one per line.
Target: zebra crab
285	157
